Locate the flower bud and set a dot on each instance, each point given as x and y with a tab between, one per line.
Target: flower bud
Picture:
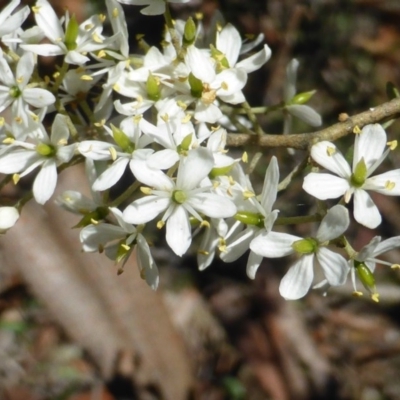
196	86
249	218
221	171
71	33
189	33
302	98
365	275
122	140
8	217
153	88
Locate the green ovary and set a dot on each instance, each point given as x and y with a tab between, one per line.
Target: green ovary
179	196
305	246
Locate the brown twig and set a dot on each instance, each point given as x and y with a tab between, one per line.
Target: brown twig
303	141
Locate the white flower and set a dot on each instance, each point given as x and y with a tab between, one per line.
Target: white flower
75	42
260	218
369	152
178	199
301	111
154	7
297	281
363	263
47	152
8	217
15	91
118	242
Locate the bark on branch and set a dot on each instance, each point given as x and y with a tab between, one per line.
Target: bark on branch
304	141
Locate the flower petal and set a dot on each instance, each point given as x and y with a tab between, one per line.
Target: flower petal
111	175
45	182
273	244
253	263
325	186
212	205
145	209
305	113
334	224
365	211
334	265
178	233
297	281
387	183
146	263
256	61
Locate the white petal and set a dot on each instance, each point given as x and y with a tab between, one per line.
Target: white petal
194	168
149	176
25	68
291	77
334	265
178	233
163	159
273	244
8	217
253	263
387	183
47	49
256	61
73	57
213	205
200	64
387	245
365	211
48	21
38	97
305	113
146	263
369	144
111	175
207	113
325	186
17	161
239	245
270	188
94	236
297	281
229	42
335	223
328	156
145	209
59	130
45	182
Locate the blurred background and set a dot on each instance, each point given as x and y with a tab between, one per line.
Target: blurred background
71	329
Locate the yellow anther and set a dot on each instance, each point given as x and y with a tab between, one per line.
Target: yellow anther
18	120
96	38
116	87
113	153
356	130
94	221
160	224
56	75
392	145
357	294
36	9
330	151
205	224
58	40
88	27
8	140
125	246
165	117
395	266
245	157
16	178
186	119
181	104
34	117
247	194
62	142
146	190
2	121
101	54
100	123
203	252
199	16
137	118
375	297
86	78
20	79
102	17
389	185
115	13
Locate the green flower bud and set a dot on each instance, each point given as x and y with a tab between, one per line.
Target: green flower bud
302	98
360	174
97	215
196	86
365	275
153	88
185	144
122	140
179	196
220	171
305	246
250	218
71	33
45	150
189	33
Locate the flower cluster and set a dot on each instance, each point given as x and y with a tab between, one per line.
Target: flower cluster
164	116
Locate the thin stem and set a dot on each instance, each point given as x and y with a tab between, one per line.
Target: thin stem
126	195
298	220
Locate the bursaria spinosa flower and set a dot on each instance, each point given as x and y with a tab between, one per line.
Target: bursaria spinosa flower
9	22
118	242
363	263
46	152
369	152
298	280
179	199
